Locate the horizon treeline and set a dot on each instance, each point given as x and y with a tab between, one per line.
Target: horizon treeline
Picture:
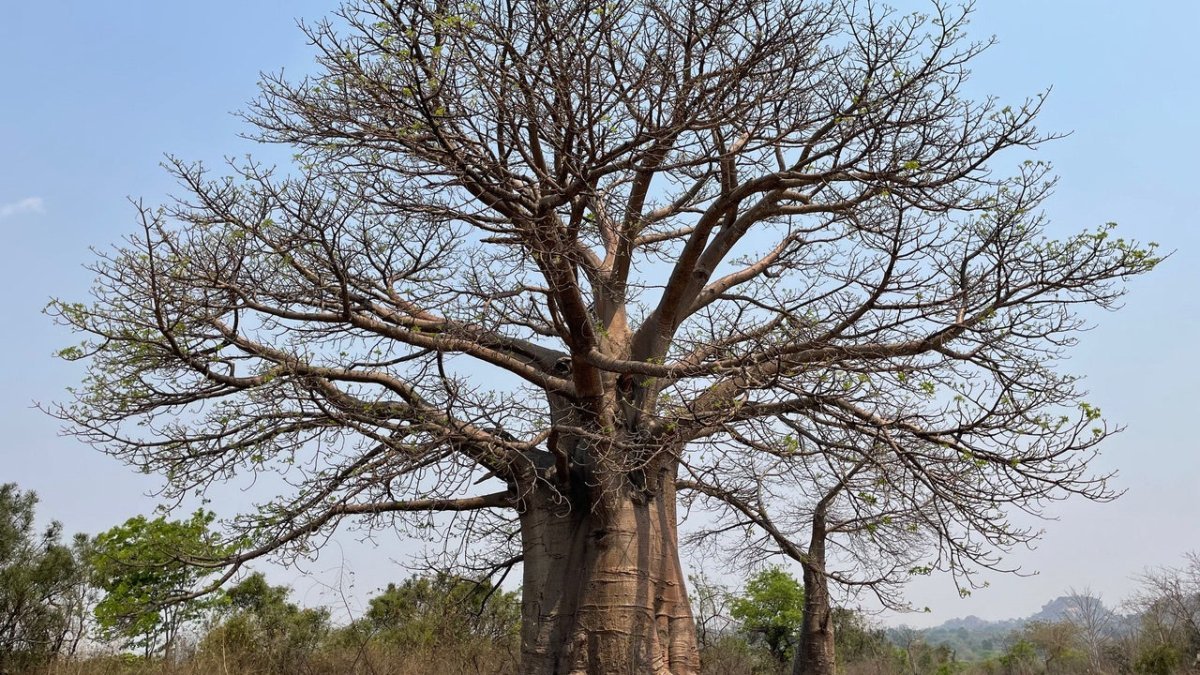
119	603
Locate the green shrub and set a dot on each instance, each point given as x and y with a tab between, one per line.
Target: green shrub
1159	659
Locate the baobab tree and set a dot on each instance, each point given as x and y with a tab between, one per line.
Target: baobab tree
566	249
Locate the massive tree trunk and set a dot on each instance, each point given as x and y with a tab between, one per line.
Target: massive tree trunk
603	588
815	649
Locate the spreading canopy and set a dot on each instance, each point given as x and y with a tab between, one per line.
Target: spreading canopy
764	246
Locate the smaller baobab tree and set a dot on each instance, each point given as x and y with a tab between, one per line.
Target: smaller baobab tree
593	254
867	510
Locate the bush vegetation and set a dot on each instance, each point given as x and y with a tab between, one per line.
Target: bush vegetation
92	607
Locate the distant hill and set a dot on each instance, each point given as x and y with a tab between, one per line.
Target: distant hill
1055	610
976	639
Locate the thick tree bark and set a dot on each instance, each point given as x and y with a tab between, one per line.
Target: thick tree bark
603	588
815	653
815	649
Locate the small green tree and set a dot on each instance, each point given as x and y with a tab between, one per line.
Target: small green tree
146	568
771	611
42	586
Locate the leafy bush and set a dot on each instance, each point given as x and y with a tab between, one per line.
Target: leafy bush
1159	659
734	655
264	633
431	612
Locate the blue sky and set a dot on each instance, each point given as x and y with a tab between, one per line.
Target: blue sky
95	93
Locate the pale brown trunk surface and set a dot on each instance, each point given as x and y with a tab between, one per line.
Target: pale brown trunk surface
815	650
815	653
603	589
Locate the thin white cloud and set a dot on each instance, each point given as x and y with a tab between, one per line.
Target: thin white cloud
27	205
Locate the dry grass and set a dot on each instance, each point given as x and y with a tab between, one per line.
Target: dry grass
372	660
